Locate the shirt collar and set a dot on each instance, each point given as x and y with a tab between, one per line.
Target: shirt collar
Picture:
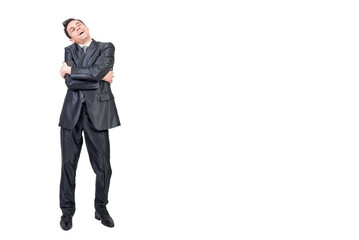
87	45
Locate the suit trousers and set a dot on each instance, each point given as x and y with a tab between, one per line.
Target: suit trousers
98	147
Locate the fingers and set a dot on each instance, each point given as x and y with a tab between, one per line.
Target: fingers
111	76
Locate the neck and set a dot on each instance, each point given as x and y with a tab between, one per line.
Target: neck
85	41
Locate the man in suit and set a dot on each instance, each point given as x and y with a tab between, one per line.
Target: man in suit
88	107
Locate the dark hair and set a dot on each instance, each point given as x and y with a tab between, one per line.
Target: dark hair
66	22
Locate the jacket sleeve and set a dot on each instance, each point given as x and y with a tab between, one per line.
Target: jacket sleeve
74	84
99	69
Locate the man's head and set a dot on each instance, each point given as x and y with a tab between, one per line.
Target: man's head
77	31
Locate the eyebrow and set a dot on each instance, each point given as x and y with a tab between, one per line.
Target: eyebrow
71	28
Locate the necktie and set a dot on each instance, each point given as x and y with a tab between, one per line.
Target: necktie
84	48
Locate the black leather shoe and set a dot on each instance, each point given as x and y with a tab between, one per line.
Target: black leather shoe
66	222
105	219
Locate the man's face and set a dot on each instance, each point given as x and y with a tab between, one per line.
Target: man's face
78	32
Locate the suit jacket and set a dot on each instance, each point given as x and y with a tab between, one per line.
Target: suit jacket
85	82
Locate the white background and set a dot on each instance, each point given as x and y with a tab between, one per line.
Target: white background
239	120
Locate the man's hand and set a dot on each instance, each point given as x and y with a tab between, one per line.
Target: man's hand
108	77
65	69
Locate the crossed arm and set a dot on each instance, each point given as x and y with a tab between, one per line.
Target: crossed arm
86	78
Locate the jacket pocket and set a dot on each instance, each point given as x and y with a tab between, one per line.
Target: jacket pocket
106	97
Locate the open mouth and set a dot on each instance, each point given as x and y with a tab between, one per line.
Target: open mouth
81	33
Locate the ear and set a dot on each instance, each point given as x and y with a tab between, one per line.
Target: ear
71	40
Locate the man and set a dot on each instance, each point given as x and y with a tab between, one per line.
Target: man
88	107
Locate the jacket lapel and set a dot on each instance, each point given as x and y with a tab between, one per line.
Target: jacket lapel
78	55
89	52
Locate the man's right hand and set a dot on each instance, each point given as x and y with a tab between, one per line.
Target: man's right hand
108	77
65	69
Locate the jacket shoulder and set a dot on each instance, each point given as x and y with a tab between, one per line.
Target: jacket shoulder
106	44
72	46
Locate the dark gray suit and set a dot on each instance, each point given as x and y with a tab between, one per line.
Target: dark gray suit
89	108
85	82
